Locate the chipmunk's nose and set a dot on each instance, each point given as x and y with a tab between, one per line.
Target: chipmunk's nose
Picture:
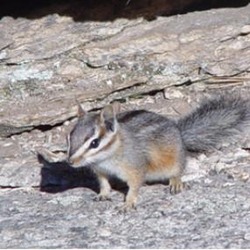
73	161
70	161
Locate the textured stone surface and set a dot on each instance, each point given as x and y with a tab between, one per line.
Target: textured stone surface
214	213
165	64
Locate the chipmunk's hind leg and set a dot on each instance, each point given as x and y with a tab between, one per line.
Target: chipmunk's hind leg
167	163
175	183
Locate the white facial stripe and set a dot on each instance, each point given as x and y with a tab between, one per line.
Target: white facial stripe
79	152
85	146
68	144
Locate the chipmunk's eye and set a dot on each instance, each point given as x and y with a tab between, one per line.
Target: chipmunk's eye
95	143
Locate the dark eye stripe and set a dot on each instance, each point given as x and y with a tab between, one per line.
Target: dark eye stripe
107	146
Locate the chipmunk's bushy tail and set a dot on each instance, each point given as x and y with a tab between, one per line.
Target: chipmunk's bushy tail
215	121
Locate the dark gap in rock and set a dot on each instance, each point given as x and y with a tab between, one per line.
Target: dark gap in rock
152	92
9	187
99	10
186	83
215	4
148	93
42	128
16	187
48	127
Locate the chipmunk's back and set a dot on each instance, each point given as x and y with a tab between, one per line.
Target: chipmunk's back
143	121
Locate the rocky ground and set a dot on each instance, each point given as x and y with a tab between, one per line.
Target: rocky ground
165	64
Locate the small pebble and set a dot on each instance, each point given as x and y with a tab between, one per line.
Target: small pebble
247	236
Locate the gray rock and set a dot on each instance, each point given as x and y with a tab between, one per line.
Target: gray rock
166	65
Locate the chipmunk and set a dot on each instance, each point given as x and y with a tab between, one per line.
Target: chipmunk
139	145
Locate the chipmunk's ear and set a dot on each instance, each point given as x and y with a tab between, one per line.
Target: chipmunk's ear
108	116
81	112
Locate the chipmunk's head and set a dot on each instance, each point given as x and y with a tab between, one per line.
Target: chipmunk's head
94	136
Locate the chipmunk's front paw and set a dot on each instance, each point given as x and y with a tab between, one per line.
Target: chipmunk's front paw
101	197
176	185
